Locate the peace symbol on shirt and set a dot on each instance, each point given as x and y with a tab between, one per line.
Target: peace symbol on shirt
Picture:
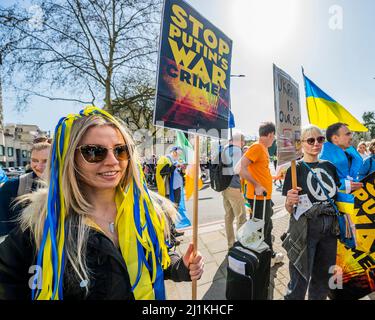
327	181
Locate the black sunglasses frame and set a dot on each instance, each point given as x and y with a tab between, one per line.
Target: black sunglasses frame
311	141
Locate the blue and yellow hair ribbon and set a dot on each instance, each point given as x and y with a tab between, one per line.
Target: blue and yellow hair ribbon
51	255
140	229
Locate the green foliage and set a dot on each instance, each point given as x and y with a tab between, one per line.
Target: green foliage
369	122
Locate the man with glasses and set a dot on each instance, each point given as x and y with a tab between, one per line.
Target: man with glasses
339	150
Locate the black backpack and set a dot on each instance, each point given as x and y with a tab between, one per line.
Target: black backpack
219	181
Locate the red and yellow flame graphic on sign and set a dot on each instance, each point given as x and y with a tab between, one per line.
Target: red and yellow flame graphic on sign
358	265
190	99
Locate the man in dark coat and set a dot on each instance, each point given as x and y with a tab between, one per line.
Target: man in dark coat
25	183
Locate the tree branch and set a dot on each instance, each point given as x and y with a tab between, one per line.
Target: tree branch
52	98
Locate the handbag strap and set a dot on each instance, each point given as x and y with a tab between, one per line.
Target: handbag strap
324	189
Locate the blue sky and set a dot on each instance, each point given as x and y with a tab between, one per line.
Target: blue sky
289	33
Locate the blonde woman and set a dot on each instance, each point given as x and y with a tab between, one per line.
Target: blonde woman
98	233
369	163
311	241
362	150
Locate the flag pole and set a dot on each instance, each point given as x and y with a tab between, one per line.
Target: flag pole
293	163
304	85
195	211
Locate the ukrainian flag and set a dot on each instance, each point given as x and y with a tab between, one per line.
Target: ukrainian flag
324	111
185	145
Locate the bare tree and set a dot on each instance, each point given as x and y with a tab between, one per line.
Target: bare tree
135	105
94	49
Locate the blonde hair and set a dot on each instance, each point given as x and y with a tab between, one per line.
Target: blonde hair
40	146
362	143
306	131
41	143
76	204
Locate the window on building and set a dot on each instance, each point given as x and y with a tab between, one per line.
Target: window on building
2	150
24	153
10	152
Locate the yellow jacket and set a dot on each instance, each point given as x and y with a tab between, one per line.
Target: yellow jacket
162	183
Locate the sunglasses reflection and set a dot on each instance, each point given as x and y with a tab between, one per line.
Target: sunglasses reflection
96	153
311	141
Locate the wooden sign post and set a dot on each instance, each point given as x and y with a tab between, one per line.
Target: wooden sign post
294	174
195	210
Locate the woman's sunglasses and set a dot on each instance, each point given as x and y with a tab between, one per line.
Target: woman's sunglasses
94	153
311	141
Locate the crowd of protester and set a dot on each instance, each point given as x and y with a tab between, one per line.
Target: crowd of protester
90	184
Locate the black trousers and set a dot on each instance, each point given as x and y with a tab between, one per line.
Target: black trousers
176	201
177	196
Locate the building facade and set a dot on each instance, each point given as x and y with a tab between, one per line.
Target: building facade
17	142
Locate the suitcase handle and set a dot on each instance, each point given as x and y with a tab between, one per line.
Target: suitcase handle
263	211
264	205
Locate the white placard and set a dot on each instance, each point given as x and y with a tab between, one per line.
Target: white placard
304	204
288	117
237	266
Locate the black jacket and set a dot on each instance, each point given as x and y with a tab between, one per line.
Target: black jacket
9	213
109	276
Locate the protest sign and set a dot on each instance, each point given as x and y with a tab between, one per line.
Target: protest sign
356	267
194	72
288	117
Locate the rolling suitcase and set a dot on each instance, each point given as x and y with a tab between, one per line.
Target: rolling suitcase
248	271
